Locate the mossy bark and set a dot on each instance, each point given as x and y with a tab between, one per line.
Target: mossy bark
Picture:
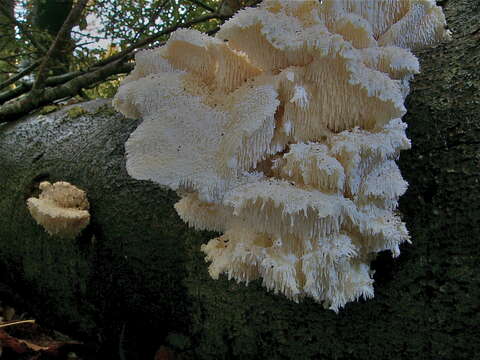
136	279
126	269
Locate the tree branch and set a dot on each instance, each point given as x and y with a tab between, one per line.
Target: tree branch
51	81
62	35
152	38
16	56
152	19
61	86
203	5
21	74
12	94
23	29
10	112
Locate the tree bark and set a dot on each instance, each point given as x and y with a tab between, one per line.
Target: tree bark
137	267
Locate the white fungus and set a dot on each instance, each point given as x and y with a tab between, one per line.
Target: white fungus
61	209
282	133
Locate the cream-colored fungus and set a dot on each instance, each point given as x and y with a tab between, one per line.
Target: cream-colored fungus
281	132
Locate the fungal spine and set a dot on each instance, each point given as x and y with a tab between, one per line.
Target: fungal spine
281	132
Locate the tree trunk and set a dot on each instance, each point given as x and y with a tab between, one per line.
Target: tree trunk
139	269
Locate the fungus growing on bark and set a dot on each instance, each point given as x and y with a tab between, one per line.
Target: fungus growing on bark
61	209
282	133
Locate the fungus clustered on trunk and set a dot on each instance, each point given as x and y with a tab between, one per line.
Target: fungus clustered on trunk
281	132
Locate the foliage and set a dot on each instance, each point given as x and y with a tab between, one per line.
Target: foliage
90	57
124	22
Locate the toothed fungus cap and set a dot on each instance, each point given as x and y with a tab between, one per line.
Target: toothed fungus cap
281	132
61	209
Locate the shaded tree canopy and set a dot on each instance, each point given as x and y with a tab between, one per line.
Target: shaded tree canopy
57	50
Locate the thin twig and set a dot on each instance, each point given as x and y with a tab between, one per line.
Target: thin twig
88	35
62	35
70	84
16	322
151	20
19	75
51	81
16	56
152	38
203	5
22	28
11	111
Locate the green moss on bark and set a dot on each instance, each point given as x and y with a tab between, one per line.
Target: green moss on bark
127	266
